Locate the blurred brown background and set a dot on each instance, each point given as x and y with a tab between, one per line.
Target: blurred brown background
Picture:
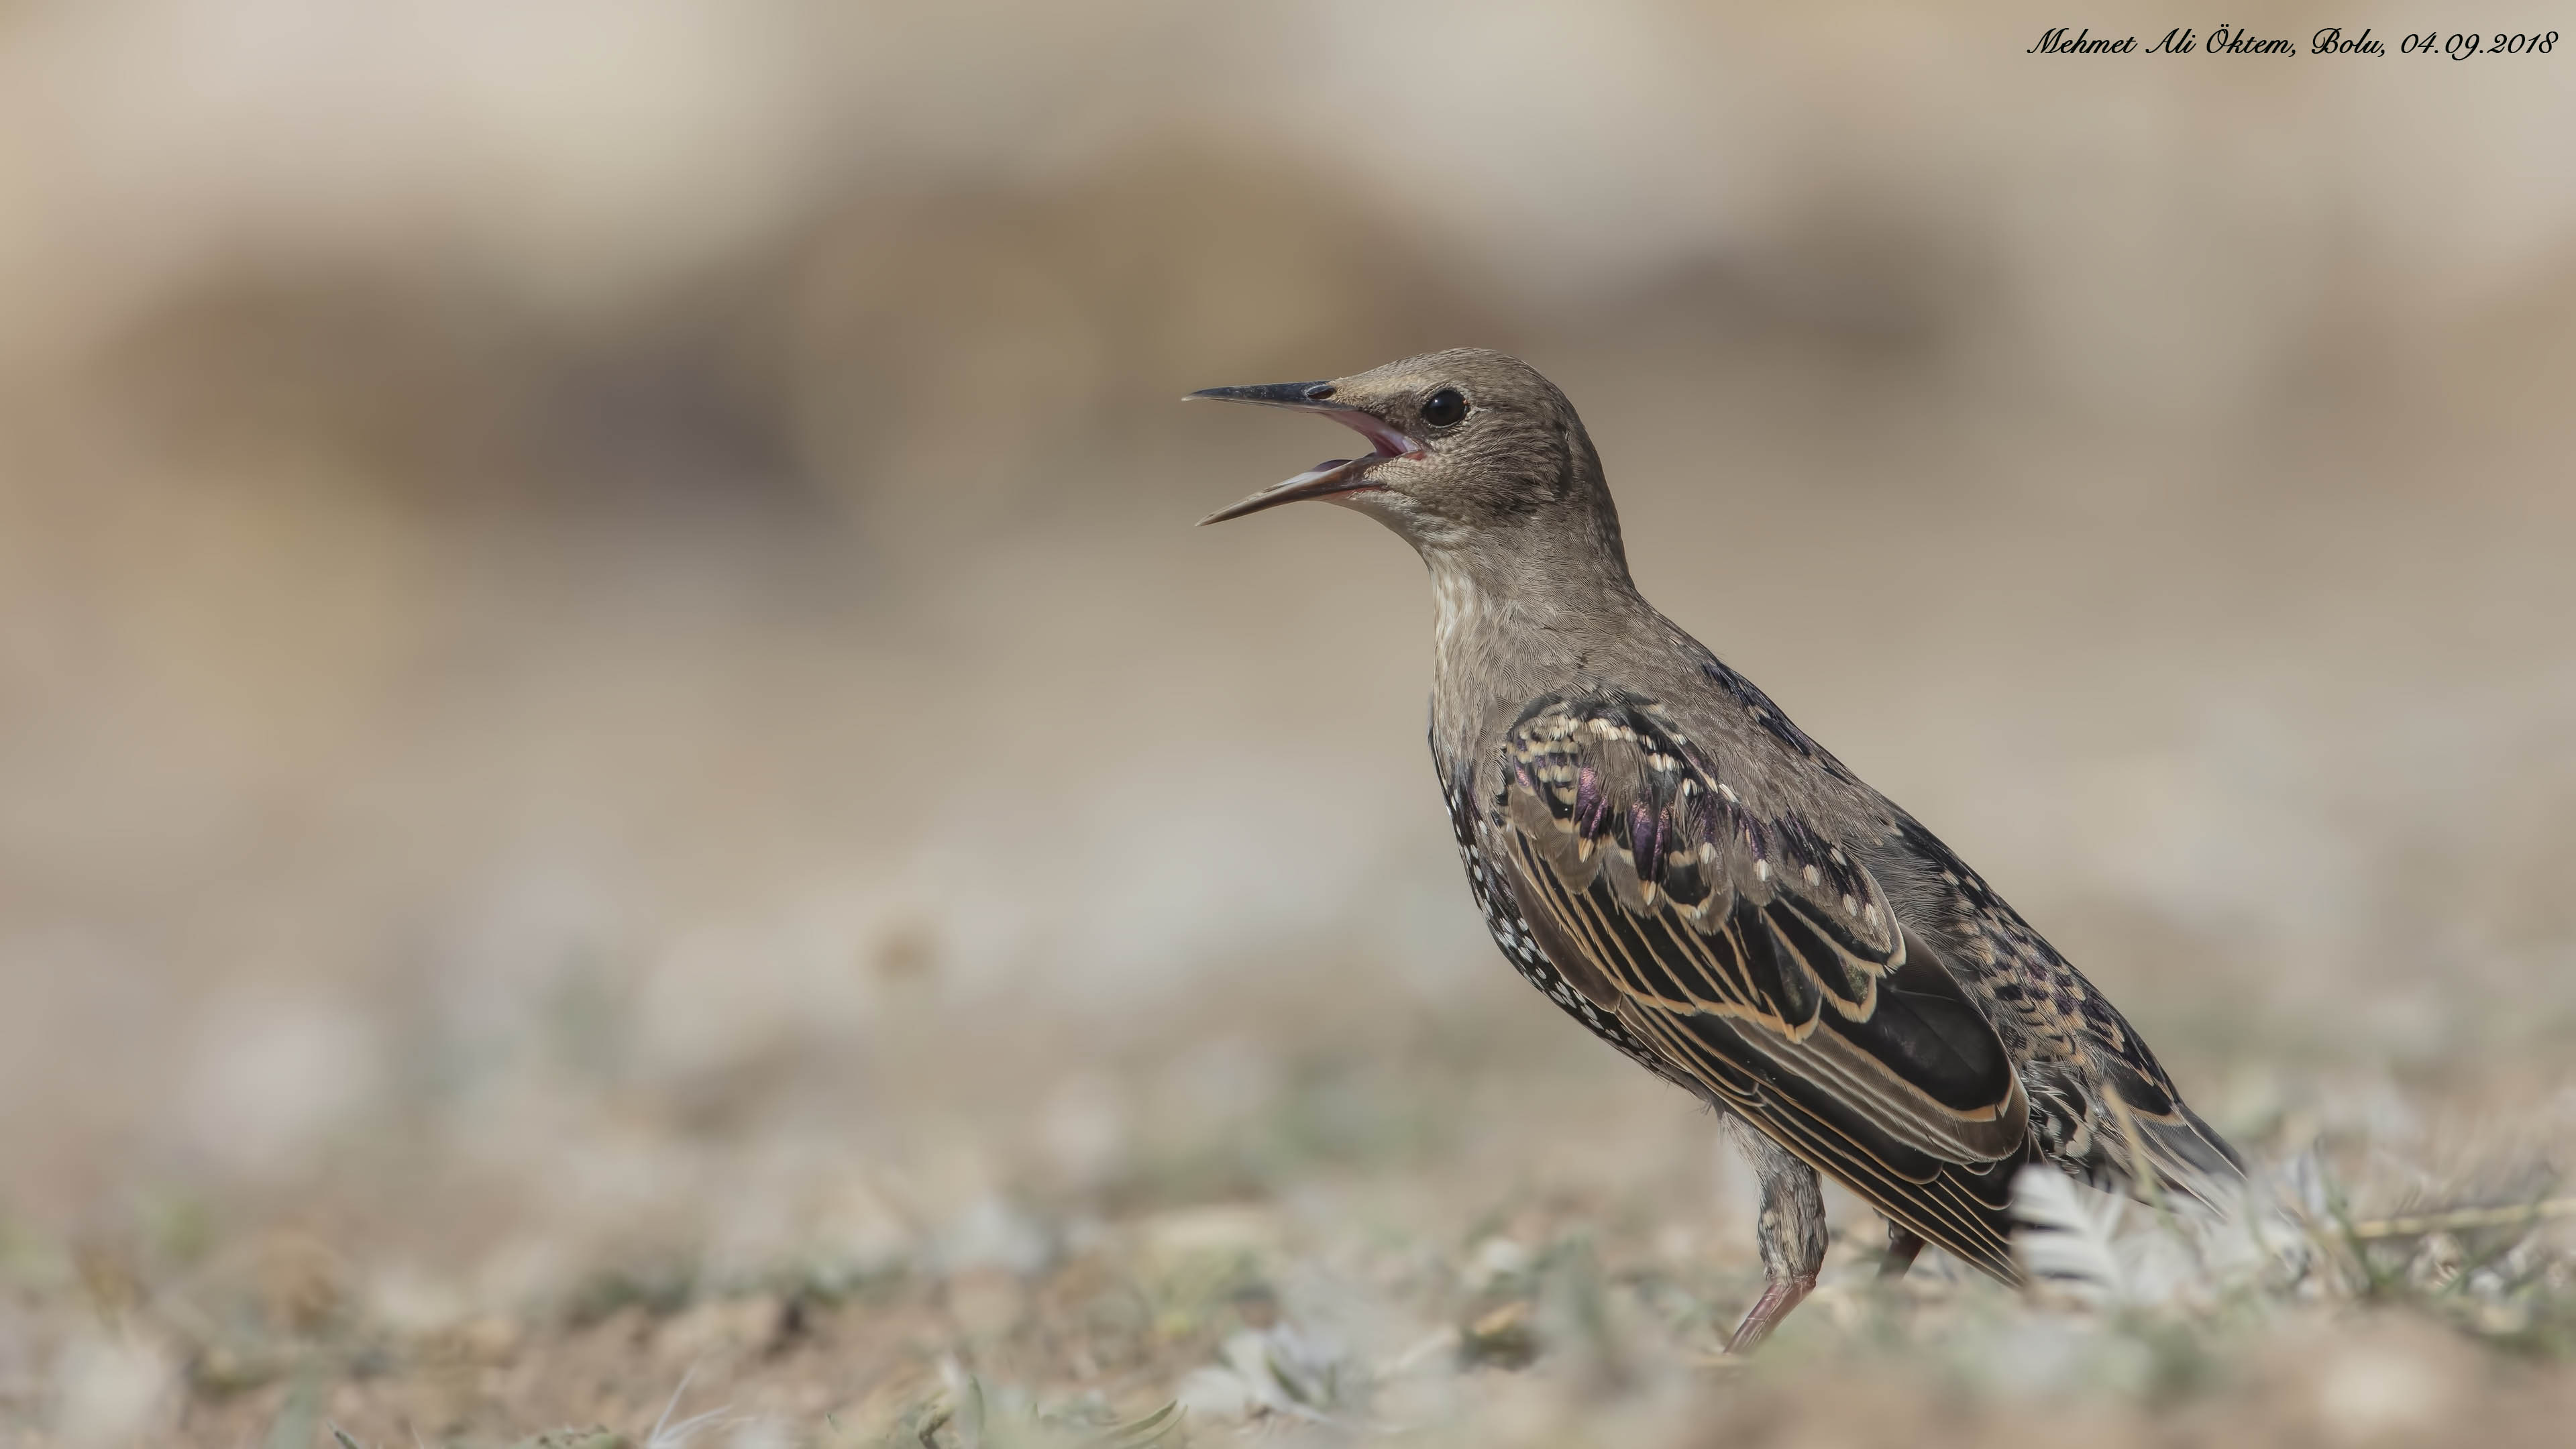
599	621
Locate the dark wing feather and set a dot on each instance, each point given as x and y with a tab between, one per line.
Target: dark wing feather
1762	966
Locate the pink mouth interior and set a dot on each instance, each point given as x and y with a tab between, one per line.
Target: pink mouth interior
1387	442
1334	475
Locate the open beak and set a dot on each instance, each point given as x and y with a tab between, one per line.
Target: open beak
1325	479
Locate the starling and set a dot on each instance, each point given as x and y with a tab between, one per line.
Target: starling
1657	847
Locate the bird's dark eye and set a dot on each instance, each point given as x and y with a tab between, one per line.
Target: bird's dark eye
1444	407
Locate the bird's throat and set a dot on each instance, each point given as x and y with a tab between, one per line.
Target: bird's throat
1464	606
1513	623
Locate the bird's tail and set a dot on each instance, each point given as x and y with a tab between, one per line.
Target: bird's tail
2121	1131
2162	1149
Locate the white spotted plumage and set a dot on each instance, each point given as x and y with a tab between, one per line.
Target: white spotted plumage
1511	932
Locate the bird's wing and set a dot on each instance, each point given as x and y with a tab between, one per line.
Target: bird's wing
1762	963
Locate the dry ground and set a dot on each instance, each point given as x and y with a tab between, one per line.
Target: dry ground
1433	1230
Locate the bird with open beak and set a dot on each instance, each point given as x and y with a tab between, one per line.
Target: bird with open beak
1659	849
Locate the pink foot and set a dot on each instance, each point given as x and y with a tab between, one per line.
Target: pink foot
1778	1297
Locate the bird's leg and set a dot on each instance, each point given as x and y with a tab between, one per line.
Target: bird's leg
1791	1234
1902	1244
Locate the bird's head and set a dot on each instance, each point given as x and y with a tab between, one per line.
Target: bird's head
1465	446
